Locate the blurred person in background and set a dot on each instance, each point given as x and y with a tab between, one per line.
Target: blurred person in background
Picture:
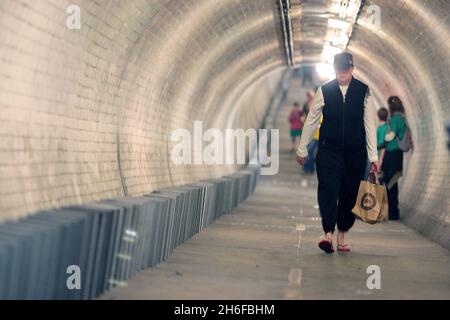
393	160
307	105
307	72
382	130
309	167
296	123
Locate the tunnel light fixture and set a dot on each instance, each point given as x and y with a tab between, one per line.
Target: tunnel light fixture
344	14
340	39
284	6
335	6
345	8
290	12
339	24
349	9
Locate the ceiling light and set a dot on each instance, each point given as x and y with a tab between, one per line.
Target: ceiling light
325	71
329	52
338	38
339	24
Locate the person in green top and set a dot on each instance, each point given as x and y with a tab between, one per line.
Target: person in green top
392	166
382	129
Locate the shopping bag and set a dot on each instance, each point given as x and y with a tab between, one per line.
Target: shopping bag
371	203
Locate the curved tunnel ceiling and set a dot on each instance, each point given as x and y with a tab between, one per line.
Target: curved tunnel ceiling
87	114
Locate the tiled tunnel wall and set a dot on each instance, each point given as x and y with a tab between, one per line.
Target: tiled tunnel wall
87	114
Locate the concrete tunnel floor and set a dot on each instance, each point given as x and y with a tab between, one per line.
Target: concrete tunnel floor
256	251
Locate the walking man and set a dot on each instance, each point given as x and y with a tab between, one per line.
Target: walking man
347	139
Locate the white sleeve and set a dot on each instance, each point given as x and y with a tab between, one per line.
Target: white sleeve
311	124
370	125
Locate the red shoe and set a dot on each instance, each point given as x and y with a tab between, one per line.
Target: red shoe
343	248
326	245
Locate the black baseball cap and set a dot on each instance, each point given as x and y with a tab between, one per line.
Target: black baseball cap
343	61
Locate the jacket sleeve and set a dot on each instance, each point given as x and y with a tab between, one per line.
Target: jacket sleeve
370	125
311	124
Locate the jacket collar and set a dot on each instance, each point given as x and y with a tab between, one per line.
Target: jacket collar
350	85
352	80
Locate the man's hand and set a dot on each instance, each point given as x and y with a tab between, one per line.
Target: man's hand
301	160
375	167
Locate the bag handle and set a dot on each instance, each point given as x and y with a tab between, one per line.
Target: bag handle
373	178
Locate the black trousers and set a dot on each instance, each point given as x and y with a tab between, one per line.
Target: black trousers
392	167
339	172
394	211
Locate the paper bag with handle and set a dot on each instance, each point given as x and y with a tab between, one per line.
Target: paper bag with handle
372	203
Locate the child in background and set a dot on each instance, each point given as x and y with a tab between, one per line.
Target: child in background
295	119
382	129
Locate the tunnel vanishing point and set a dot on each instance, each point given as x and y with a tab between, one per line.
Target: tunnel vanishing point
91	91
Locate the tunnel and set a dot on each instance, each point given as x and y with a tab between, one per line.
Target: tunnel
91	91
